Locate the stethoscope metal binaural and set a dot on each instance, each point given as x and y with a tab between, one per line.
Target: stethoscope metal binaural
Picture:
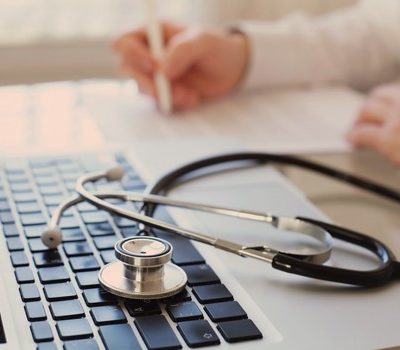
143	269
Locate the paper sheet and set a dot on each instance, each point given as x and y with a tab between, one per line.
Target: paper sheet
81	114
295	121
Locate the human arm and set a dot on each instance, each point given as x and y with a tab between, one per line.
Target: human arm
357	47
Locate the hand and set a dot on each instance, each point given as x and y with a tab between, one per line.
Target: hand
200	64
378	124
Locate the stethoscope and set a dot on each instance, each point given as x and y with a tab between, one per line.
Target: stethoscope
143	267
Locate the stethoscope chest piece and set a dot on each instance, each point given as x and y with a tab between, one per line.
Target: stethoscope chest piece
142	270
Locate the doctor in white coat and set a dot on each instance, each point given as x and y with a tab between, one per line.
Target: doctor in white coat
358	47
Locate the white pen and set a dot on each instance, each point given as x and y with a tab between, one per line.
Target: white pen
156	43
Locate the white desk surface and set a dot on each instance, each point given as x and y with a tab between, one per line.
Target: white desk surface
70	116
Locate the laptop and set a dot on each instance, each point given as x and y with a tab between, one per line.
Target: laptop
52	299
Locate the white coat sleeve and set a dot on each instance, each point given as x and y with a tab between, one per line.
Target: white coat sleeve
358	47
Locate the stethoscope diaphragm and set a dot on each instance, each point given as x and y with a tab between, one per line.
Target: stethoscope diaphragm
142	270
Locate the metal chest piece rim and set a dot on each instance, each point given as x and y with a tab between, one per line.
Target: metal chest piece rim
142	270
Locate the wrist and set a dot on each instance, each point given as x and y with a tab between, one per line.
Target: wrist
242	48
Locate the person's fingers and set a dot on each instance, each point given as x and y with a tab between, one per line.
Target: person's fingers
374	111
138	34
145	82
143	64
136	53
183	97
170	29
183	50
369	135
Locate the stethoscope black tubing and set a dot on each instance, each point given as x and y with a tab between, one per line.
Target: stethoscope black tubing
387	271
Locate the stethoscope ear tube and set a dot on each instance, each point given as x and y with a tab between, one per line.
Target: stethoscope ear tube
386	272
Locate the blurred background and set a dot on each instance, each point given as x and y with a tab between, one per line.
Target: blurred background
47	40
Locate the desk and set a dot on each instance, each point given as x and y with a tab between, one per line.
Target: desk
67	117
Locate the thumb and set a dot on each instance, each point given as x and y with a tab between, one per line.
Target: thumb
366	135
183	50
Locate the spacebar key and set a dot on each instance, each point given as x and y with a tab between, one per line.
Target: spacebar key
157	333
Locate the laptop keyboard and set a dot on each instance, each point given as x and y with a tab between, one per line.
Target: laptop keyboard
59	290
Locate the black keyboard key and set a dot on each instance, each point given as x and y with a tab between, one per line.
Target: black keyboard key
19	187
107	256
59	291
67	213
41	331
106	242
212	293
87	279
19	259
14	244
46	172
29	292
200	274
123	222
178	298
84	263
129	232
94	217
74	329
142	307
40	163
163	338
239	330
18	178
34	231
24	197
4	206
198	333
10	230
81	344
15	168
54	274
50	190
77	249
184	252
119	337
184	311
225	311
103	229
32	219
6	217
48	258
35	311
46	346
109	314
73	235
98	297
36	245
66	309
46	180
53	199
85	206
28	208
69	222
24	275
